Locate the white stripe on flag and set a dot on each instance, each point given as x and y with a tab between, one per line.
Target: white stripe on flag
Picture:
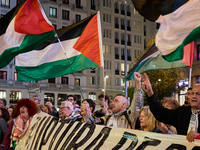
51	53
10	38
176	26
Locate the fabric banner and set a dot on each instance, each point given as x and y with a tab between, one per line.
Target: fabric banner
47	132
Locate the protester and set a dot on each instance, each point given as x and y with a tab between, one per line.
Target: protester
104	102
110	107
42	108
25	110
183	118
4	117
67	111
3	103
123	117
169	103
48	110
87	111
54	113
72	99
13	112
187	95
36	99
10	110
147	120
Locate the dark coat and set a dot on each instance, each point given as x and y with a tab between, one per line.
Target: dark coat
179	118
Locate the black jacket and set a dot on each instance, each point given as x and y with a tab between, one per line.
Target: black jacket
179	117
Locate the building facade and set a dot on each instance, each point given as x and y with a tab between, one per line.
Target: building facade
62	13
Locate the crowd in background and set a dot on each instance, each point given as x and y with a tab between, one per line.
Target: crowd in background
165	118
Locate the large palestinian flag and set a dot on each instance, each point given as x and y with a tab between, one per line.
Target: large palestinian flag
23	29
153	60
179	24
82	44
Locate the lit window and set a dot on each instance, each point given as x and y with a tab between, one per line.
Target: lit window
53	12
49	97
15	96
92	95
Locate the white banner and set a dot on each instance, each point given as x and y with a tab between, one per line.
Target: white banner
50	133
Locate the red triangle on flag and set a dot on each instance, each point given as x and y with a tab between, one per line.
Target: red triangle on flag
88	42
30	19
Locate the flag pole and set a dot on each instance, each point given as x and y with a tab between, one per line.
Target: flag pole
190	76
70	66
125	23
191	62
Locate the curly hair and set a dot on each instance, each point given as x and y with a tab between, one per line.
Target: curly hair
28	103
5	114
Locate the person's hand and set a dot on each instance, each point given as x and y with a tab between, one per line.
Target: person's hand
105	108
85	109
137	77
146	85
191	135
162	127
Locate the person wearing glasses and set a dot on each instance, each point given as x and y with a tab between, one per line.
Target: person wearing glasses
185	118
67	111
36	99
72	99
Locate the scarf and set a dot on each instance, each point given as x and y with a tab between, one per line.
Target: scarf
193	121
19	129
113	119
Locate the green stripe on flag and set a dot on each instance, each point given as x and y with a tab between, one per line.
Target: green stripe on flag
179	52
154	63
54	69
29	42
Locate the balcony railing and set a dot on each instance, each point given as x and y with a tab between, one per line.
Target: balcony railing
117	26
122	57
129	58
116	10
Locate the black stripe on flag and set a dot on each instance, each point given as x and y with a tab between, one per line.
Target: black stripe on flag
150	52
6	19
67	33
152	9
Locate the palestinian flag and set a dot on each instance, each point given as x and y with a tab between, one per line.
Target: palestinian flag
82	44
23	29
179	24
153	60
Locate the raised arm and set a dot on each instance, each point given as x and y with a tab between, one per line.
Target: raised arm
137	101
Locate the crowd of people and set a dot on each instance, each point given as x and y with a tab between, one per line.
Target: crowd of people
167	117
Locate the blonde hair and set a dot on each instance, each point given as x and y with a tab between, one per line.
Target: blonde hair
150	118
